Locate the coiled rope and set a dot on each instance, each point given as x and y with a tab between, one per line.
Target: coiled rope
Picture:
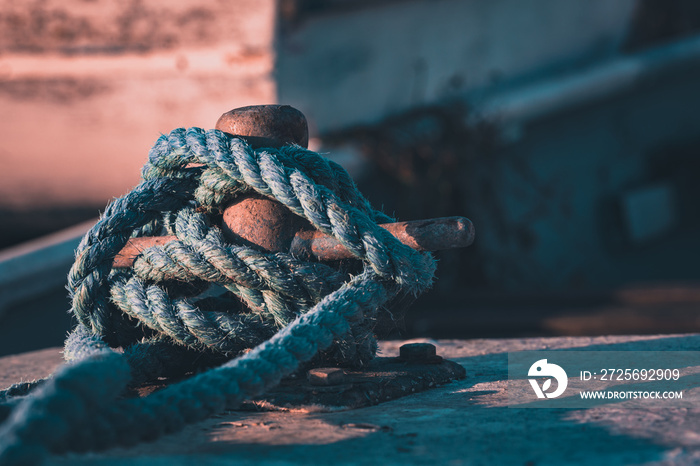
163	324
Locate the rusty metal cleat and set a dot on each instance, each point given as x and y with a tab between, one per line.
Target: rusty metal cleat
268	225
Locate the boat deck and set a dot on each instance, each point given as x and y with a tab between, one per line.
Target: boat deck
464	422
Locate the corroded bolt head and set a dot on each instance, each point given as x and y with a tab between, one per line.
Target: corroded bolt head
417	352
326	376
266	125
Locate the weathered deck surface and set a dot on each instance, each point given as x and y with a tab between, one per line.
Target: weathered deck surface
466	422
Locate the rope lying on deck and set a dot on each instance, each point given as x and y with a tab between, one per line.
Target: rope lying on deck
293	309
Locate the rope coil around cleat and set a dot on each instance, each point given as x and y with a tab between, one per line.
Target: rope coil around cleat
157	313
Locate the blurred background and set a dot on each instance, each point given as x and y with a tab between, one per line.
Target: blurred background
565	130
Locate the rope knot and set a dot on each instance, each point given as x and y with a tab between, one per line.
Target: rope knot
192	171
201	300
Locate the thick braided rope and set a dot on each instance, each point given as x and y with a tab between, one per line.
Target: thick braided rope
163	331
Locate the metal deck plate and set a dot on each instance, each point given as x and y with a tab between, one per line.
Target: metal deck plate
383	379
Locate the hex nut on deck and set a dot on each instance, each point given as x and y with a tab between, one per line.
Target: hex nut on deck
325	376
420	353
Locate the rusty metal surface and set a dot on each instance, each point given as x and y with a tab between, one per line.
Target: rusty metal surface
264	223
266	125
326	376
383	379
261	222
135	246
434	234
417	368
257	223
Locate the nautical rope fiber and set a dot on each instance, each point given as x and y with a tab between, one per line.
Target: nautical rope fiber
163	317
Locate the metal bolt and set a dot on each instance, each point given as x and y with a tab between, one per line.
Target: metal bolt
325	376
417	352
